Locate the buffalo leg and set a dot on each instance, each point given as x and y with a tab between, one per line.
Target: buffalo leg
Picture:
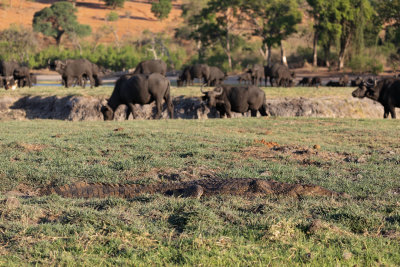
131	109
159	108
392	112
228	110
170	106
253	113
386	112
263	110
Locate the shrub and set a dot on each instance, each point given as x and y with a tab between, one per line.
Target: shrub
112	16
365	64
114	3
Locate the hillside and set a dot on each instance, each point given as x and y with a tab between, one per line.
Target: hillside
134	18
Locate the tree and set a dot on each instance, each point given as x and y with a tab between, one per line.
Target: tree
57	20
17	43
326	25
161	9
114	3
353	14
274	21
219	23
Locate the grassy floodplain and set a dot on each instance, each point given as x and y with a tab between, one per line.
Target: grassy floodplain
359	157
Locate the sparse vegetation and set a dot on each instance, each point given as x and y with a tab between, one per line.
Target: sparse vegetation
359	157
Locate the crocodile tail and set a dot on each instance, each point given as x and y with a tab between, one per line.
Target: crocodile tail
93	190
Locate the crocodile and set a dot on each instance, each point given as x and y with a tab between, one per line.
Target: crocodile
194	189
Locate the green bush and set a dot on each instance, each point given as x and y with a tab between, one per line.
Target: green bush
112	16
365	64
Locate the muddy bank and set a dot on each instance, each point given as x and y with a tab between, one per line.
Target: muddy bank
78	108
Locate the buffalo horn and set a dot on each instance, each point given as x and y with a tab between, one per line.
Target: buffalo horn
219	90
201	89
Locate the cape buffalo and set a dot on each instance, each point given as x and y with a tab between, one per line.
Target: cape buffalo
151	66
22	76
344	80
306	81
357	81
139	89
281	75
216	76
386	92
185	77
7	72
257	74
201	71
245	78
78	70
228	98
316	81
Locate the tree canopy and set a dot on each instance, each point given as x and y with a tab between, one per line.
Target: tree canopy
57	20
161	9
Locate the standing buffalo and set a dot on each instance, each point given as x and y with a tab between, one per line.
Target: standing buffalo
316	81
245	78
201	71
151	66
185	77
7	69
386	92
228	98
257	74
22	76
216	76
78	70
139	89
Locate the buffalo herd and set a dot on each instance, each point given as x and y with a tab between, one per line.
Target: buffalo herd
148	84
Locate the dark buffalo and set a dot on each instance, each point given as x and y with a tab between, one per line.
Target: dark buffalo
357	81
77	70
333	84
257	74
201	71
344	81
281	75
216	77
185	77
7	73
22	76
306	81
151	66
139	89
386	92
316	81
228	98
245	78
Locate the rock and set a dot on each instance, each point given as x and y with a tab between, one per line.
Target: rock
11	203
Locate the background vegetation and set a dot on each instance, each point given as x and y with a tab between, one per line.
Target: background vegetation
359	34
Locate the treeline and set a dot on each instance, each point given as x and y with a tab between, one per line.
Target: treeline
230	34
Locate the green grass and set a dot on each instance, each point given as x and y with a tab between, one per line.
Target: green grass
361	230
105	91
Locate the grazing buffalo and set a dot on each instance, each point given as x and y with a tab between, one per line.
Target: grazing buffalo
228	98
22	76
201	71
139	89
281	75
216	76
316	81
245	78
7	69
185	77
386	92
333	84
77	70
306	81
151	66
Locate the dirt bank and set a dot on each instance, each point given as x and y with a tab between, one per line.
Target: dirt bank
77	108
